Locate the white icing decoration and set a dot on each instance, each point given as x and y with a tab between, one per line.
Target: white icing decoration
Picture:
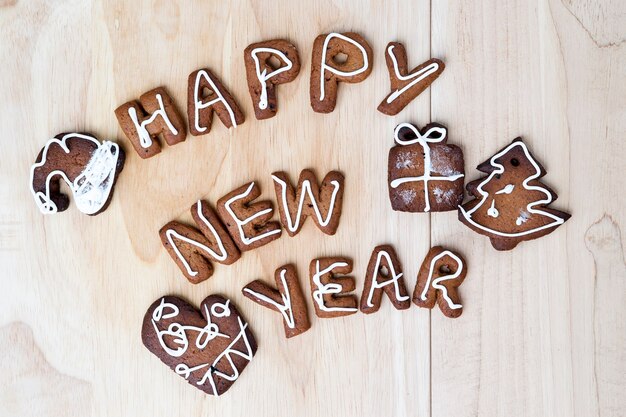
159	312
436	282
198	104
207	333
529	208
440	159
240	223
335	71
407	196
419	75
224	307
330	288
508	189
423	141
178	332
493	211
210	374
185	371
394	279
443	196
404	160
171	234
144	137
264	76
91	188
285	308
523	218
292	225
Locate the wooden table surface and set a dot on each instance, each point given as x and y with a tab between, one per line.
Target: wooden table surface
543	331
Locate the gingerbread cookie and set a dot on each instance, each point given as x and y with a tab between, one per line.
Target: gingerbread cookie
425	173
438	280
209	348
88	167
322	203
193	250
405	85
329	291
248	224
384	274
327	70
153	115
269	64
287	299
206	94
510	204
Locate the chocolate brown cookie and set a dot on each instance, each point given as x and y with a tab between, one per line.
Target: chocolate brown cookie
322	203
438	279
425	173
89	168
269	64
328	67
209	348
405	85
384	274
206	94
248	224
329	291
287	299
510	205
153	115
194	250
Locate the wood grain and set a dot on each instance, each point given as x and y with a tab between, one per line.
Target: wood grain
542	332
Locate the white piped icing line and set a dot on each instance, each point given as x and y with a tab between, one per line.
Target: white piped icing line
264	76
171	234
508	189
198	104
416	76
178	333
240	223
228	352
436	283
285	308
91	188
529	208
423	140
394	279
330	288
336	71
144	136
292	225
493	211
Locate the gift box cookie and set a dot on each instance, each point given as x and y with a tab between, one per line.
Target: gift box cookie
425	173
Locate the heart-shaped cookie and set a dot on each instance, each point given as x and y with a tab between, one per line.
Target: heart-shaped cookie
209	348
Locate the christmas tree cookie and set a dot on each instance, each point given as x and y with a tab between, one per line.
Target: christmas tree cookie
510	204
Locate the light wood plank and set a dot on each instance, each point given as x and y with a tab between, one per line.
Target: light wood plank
545	338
